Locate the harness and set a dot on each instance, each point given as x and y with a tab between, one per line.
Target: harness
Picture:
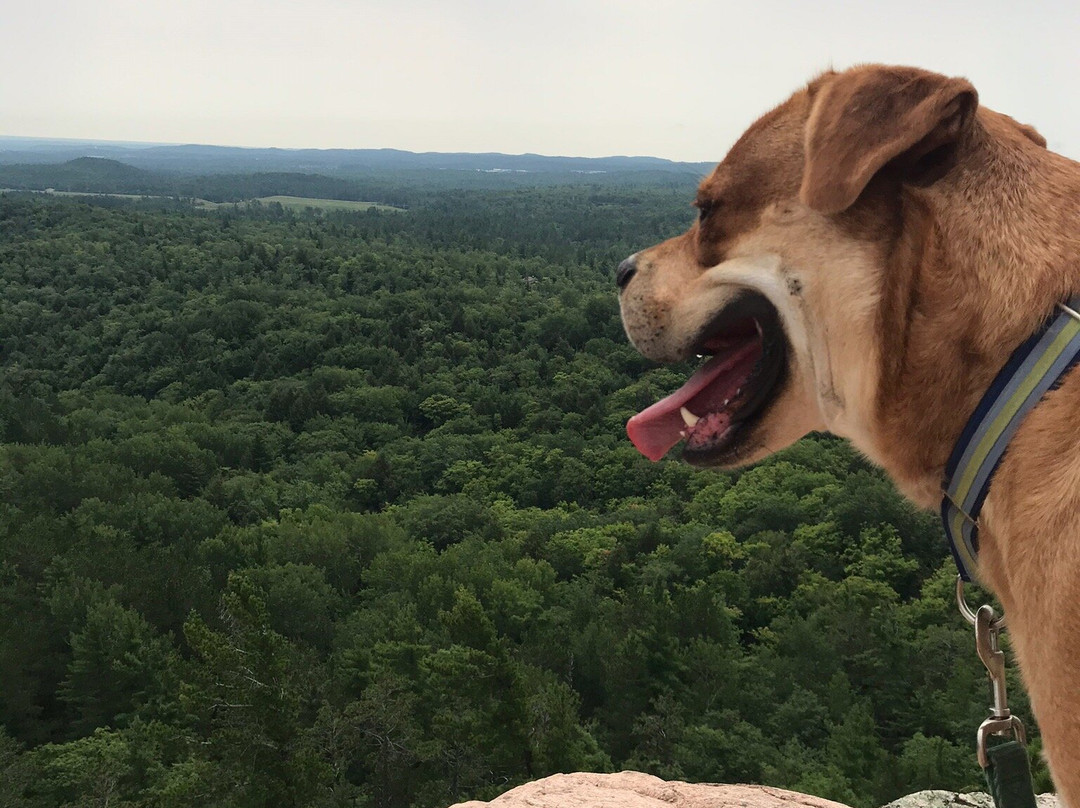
1034	368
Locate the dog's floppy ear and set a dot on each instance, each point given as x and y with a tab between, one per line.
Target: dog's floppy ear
867	117
1032	134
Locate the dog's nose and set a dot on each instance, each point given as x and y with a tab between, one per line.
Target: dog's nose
627	269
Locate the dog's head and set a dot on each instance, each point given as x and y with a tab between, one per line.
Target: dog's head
782	279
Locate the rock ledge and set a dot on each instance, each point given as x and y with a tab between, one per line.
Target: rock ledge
637	790
951	799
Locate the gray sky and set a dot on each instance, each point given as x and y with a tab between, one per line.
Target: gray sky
678	79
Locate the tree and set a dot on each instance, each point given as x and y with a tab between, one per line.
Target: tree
119	668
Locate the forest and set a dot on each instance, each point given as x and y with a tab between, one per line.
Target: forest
313	508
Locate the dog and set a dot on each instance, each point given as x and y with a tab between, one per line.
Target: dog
865	259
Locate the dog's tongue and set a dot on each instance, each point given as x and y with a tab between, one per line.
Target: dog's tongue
655	430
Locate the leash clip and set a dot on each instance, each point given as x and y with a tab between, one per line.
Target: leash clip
1001	721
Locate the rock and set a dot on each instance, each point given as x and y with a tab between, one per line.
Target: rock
637	790
951	799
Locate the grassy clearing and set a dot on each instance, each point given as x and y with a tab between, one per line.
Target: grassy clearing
302	202
328	204
199	203
299	202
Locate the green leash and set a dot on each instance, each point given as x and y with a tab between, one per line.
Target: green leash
1004	762
1009	775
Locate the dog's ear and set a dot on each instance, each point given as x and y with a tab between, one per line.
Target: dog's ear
866	118
1032	134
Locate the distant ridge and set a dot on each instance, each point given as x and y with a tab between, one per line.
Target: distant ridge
194	158
99	174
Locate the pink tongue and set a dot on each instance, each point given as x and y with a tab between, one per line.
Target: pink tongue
655	430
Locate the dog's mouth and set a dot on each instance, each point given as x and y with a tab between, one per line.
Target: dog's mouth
728	394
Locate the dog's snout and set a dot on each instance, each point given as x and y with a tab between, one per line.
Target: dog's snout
627	269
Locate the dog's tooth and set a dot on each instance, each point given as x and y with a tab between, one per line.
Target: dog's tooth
726	402
688	417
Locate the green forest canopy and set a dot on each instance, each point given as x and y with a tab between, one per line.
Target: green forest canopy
331	508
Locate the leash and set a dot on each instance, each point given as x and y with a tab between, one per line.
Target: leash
1004	761
1033	369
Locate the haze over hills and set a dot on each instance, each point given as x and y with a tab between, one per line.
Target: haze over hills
193	158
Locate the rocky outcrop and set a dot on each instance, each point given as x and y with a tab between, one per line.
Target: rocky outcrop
637	790
950	799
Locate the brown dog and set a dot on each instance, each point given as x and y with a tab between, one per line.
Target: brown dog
866	258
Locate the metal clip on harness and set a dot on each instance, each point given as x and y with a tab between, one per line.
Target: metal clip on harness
1005	764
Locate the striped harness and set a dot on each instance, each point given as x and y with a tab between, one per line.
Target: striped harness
1034	368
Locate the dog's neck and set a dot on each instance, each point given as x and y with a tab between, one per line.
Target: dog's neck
982	258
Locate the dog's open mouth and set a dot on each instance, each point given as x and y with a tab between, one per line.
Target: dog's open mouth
747	349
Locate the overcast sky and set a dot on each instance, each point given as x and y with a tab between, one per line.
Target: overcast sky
678	79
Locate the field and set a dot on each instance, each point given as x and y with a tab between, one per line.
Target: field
53	192
326	204
297	202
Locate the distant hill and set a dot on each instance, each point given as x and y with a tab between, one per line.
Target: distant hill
192	159
385	176
92	174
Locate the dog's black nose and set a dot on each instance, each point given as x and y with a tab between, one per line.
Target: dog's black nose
627	269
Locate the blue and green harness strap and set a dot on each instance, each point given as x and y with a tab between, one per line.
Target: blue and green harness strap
1034	368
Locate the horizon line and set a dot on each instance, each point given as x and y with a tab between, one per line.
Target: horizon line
156	144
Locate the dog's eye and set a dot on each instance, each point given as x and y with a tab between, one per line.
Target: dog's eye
705	209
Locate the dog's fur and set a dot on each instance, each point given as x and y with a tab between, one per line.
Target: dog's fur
910	240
